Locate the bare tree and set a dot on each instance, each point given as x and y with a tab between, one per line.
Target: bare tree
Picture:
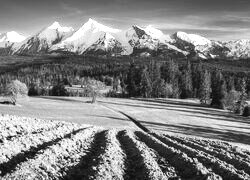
94	87
15	88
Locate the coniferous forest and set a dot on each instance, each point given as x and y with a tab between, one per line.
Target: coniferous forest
212	81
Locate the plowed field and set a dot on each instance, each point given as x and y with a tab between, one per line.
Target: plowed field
38	149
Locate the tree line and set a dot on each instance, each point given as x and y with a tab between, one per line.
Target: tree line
149	79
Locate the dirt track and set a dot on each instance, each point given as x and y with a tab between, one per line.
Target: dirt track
37	149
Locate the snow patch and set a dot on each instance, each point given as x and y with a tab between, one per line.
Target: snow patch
194	39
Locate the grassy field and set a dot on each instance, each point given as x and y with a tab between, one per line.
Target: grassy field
70	138
79	111
185	117
182	117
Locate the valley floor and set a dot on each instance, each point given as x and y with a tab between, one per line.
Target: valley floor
75	110
74	139
181	117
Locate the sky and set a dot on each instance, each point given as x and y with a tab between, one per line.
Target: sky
214	19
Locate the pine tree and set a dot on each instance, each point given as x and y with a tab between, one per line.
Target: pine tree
146	84
186	82
197	72
243	98
205	87
219	90
170	73
133	81
155	76
176	90
231	85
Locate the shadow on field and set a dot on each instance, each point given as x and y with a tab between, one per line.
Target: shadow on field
174	102
200	109
110	117
219	117
58	98
24	156
208	113
201	131
225	132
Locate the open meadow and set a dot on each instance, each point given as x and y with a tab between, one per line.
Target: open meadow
181	117
70	138
76	110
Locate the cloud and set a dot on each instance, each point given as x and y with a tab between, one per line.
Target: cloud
70	11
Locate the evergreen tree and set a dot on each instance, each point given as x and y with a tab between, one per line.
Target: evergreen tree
176	90
197	71
146	84
59	90
133	81
123	85
219	90
155	76
170	73
243	98
231	85
205	87
186	82
154	71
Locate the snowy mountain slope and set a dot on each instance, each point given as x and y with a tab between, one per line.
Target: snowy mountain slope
43	40
89	34
194	39
238	49
198	46
190	42
151	41
7	39
97	39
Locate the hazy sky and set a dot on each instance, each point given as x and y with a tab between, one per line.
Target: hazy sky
215	19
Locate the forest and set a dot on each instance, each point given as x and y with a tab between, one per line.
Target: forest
219	80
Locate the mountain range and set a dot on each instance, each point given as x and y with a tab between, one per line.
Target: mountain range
97	39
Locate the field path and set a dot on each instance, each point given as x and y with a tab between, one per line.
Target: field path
184	118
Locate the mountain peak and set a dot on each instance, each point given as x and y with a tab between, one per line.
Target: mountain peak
12	36
8	38
96	26
92	20
137	27
56	25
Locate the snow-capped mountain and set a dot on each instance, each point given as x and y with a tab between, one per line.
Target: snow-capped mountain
43	40
92	36
148	41
238	49
7	39
97	39
198	46
157	34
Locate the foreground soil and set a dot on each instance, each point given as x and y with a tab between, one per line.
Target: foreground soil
41	149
